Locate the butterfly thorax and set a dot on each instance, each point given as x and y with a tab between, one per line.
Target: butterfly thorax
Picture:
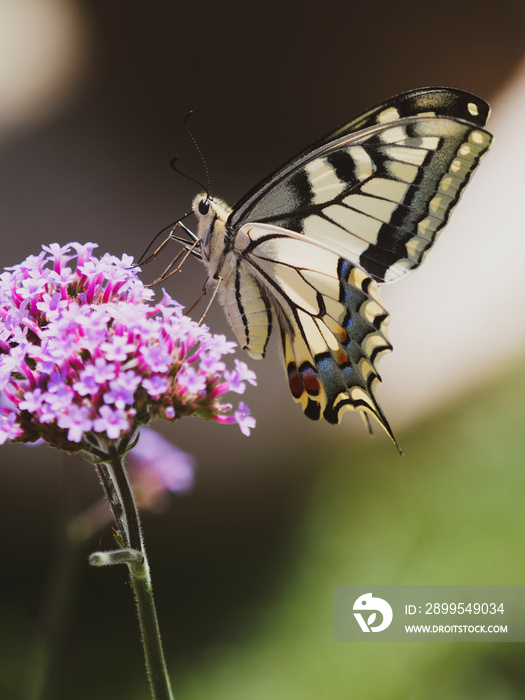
247	309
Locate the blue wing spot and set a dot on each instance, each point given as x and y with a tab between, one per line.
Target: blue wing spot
344	268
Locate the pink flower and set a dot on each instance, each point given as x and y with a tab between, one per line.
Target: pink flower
243	418
239	376
85	354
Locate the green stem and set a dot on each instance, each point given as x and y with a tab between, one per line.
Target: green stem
118	490
155	663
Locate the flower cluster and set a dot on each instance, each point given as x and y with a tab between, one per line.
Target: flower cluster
85	352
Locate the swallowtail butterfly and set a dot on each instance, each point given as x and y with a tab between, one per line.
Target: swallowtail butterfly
305	249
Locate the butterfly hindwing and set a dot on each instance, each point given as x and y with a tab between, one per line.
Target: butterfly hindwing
332	322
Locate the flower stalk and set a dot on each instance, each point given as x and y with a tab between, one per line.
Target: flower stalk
128	534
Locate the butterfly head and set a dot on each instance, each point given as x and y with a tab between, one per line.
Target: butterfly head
212	214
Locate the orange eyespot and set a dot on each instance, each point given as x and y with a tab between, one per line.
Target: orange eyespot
310	381
294	380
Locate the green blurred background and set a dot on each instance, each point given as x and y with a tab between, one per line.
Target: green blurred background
92	96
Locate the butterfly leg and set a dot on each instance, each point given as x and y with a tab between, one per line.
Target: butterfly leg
214	294
182	255
198	300
145	261
201	296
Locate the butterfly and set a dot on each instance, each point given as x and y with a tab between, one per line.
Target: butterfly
305	249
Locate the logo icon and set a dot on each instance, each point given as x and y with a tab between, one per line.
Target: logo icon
368	603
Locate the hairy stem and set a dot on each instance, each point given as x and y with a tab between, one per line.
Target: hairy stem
120	495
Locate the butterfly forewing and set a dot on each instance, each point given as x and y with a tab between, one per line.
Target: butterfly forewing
381	196
438	102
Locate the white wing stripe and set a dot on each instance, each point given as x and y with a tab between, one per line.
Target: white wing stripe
324	182
354	221
406	154
364	167
381	209
334	236
382	188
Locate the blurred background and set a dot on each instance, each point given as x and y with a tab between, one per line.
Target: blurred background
92	96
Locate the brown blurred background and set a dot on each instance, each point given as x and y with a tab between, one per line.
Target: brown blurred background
92	96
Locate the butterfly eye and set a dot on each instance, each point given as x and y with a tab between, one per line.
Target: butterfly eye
204	207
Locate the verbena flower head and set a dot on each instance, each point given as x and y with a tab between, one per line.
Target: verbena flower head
85	352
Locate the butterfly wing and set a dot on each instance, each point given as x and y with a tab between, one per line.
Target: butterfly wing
306	245
381	195
332	321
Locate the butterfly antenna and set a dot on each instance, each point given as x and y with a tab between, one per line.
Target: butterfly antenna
173	166
198	149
